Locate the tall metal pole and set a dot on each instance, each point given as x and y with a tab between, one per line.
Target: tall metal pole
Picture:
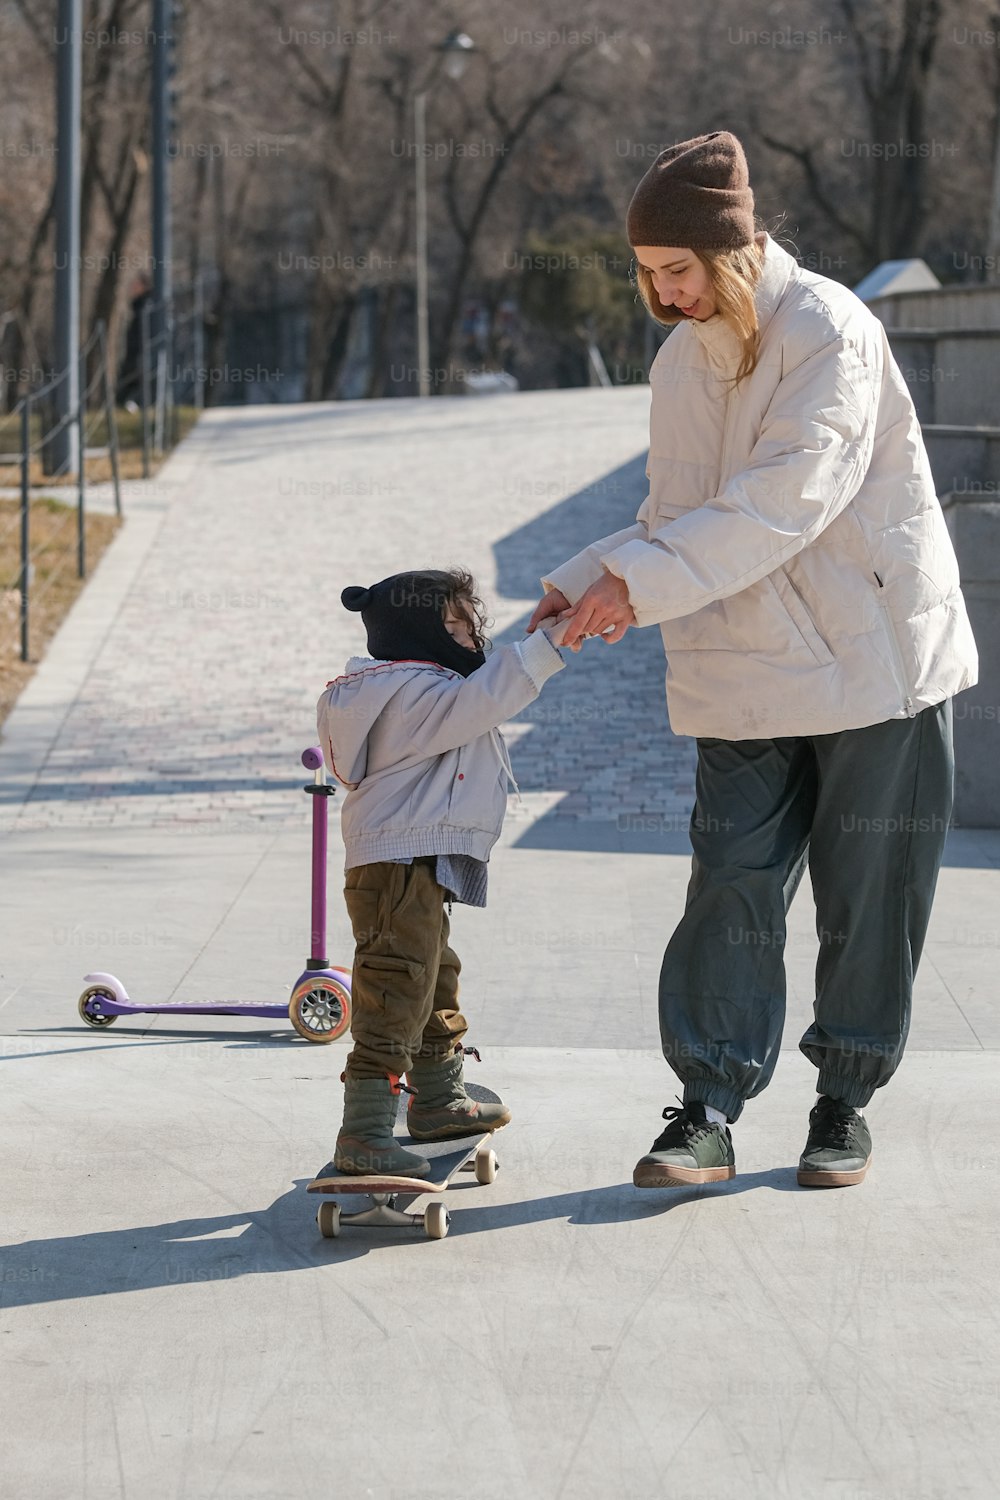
419	142
81	497
144	385
109	415
25	579
198	395
993	227
62	452
162	320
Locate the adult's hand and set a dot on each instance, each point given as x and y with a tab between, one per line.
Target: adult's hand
553	604
603	610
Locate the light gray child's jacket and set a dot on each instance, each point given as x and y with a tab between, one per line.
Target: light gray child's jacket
420	752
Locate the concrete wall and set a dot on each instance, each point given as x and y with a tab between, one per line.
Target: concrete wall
944	307
947	345
975	529
965	461
952	373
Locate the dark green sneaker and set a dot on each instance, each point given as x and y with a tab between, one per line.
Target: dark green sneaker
692	1149
839	1147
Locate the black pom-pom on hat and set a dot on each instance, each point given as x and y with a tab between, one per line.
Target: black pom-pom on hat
356	598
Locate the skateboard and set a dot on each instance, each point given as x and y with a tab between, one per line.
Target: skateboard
391	1195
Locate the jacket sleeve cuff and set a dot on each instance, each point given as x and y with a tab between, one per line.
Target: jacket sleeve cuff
574	578
620	562
539	657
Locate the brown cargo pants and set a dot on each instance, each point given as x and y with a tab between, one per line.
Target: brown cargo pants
404	992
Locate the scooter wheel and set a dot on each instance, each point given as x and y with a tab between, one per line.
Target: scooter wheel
320	1009
89	1007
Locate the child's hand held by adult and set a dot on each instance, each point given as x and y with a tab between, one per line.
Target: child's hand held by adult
553	603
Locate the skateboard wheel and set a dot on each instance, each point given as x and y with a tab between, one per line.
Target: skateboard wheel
486	1165
320	1009
88	1006
436	1220
328	1220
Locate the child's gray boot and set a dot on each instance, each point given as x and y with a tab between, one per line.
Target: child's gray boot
366	1144
440	1107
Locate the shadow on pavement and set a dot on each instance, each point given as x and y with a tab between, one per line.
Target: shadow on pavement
284	1237
161	1036
599	733
155	786
558	533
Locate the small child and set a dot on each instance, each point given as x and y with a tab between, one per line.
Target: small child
412	732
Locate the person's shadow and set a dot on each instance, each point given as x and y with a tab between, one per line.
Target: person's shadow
284	1237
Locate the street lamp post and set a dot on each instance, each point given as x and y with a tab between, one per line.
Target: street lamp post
454	50
62	453
161	224
419	142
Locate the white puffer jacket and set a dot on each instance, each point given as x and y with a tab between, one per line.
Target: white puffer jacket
792	546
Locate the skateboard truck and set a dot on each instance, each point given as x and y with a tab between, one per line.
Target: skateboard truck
476	1156
385	1215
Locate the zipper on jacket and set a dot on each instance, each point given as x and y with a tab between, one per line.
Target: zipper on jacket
911	712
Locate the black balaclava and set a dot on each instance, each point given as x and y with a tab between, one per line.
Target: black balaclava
404	618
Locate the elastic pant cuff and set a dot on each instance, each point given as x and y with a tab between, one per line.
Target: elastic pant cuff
717	1095
365	1067
852	1091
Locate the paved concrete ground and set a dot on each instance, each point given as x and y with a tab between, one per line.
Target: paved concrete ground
171	1324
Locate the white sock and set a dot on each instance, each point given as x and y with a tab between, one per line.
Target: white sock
716	1116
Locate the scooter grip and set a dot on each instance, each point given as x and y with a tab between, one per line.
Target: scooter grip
312	758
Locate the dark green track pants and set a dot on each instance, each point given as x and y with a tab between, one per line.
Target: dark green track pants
868	811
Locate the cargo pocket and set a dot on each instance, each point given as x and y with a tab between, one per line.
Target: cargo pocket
794	606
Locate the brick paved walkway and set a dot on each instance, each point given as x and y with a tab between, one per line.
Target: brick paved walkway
202	690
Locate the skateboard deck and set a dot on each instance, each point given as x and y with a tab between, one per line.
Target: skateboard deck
445	1157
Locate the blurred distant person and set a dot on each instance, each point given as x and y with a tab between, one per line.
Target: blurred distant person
129	392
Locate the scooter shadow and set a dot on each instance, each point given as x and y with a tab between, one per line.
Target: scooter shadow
149	1036
284	1237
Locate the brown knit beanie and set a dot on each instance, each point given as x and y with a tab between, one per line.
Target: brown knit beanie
696	195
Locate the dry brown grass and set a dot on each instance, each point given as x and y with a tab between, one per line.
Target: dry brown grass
129	425
54	540
54	586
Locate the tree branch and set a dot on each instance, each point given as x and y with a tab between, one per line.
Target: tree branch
803	155
34	25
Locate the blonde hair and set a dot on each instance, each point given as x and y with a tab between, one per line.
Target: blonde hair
734	275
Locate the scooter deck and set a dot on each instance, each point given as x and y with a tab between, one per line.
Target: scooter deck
194	1008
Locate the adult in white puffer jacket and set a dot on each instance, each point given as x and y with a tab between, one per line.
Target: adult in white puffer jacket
794	553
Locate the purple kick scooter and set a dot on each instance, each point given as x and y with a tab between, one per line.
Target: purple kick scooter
320	1003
